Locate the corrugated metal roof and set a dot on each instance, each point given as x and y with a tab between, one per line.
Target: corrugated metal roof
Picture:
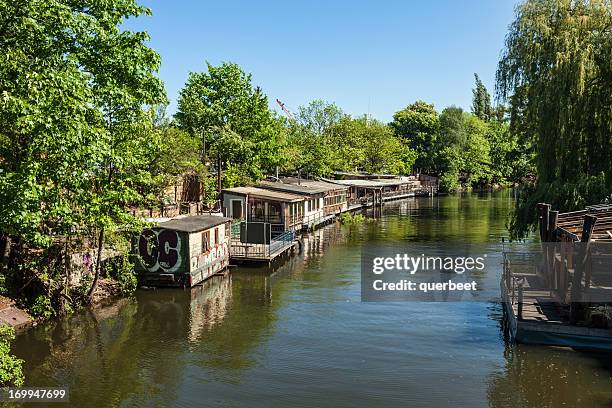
301	189
194	223
372	183
264	193
324	185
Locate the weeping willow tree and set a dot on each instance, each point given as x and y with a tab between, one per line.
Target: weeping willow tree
556	74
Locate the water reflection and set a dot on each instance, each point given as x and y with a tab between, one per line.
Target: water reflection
296	334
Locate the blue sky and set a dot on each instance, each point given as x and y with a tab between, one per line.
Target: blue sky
367	56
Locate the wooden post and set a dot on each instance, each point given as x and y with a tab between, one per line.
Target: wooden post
520	301
553	219
543	210
549	253
579	265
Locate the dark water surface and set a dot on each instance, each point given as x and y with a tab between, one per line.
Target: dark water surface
297	335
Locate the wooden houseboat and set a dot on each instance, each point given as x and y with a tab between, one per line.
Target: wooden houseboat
183	251
284	211
323	201
265	222
366	191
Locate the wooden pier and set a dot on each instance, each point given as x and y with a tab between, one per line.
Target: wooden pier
562	294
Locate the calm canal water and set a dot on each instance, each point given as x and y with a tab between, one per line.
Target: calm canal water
297	335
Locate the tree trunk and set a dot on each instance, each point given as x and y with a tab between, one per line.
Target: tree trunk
94	284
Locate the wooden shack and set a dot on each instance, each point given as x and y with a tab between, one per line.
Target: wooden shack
335	199
284	211
183	251
323	201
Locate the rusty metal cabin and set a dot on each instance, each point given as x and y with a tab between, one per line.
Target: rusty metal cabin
184	251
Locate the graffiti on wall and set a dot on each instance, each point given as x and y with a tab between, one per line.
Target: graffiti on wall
217	253
160	250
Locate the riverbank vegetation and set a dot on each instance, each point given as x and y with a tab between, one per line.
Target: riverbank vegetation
556	76
11	367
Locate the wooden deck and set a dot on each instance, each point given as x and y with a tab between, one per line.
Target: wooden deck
260	252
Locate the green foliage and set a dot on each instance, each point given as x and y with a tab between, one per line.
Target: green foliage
308	152
555	71
365	144
319	116
231	118
177	153
481	101
76	143
126	276
347	218
42	307
11	372
324	139
560	194
462	149
418	125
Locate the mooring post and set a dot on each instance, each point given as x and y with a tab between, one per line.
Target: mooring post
520	300
543	210
579	265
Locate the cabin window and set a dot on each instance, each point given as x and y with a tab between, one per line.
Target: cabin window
236	209
258	210
274	212
216	236
206	241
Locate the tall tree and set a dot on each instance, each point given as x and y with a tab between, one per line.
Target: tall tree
481	101
221	107
555	71
318	116
417	125
74	144
365	144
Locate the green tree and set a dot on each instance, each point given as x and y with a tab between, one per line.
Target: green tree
481	101
233	120
452	128
369	145
74	143
319	116
476	160
462	151
555	72
418	125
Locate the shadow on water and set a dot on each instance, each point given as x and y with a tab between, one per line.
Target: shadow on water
536	376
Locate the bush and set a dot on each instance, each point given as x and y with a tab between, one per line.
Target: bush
126	276
11	373
42	307
351	219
